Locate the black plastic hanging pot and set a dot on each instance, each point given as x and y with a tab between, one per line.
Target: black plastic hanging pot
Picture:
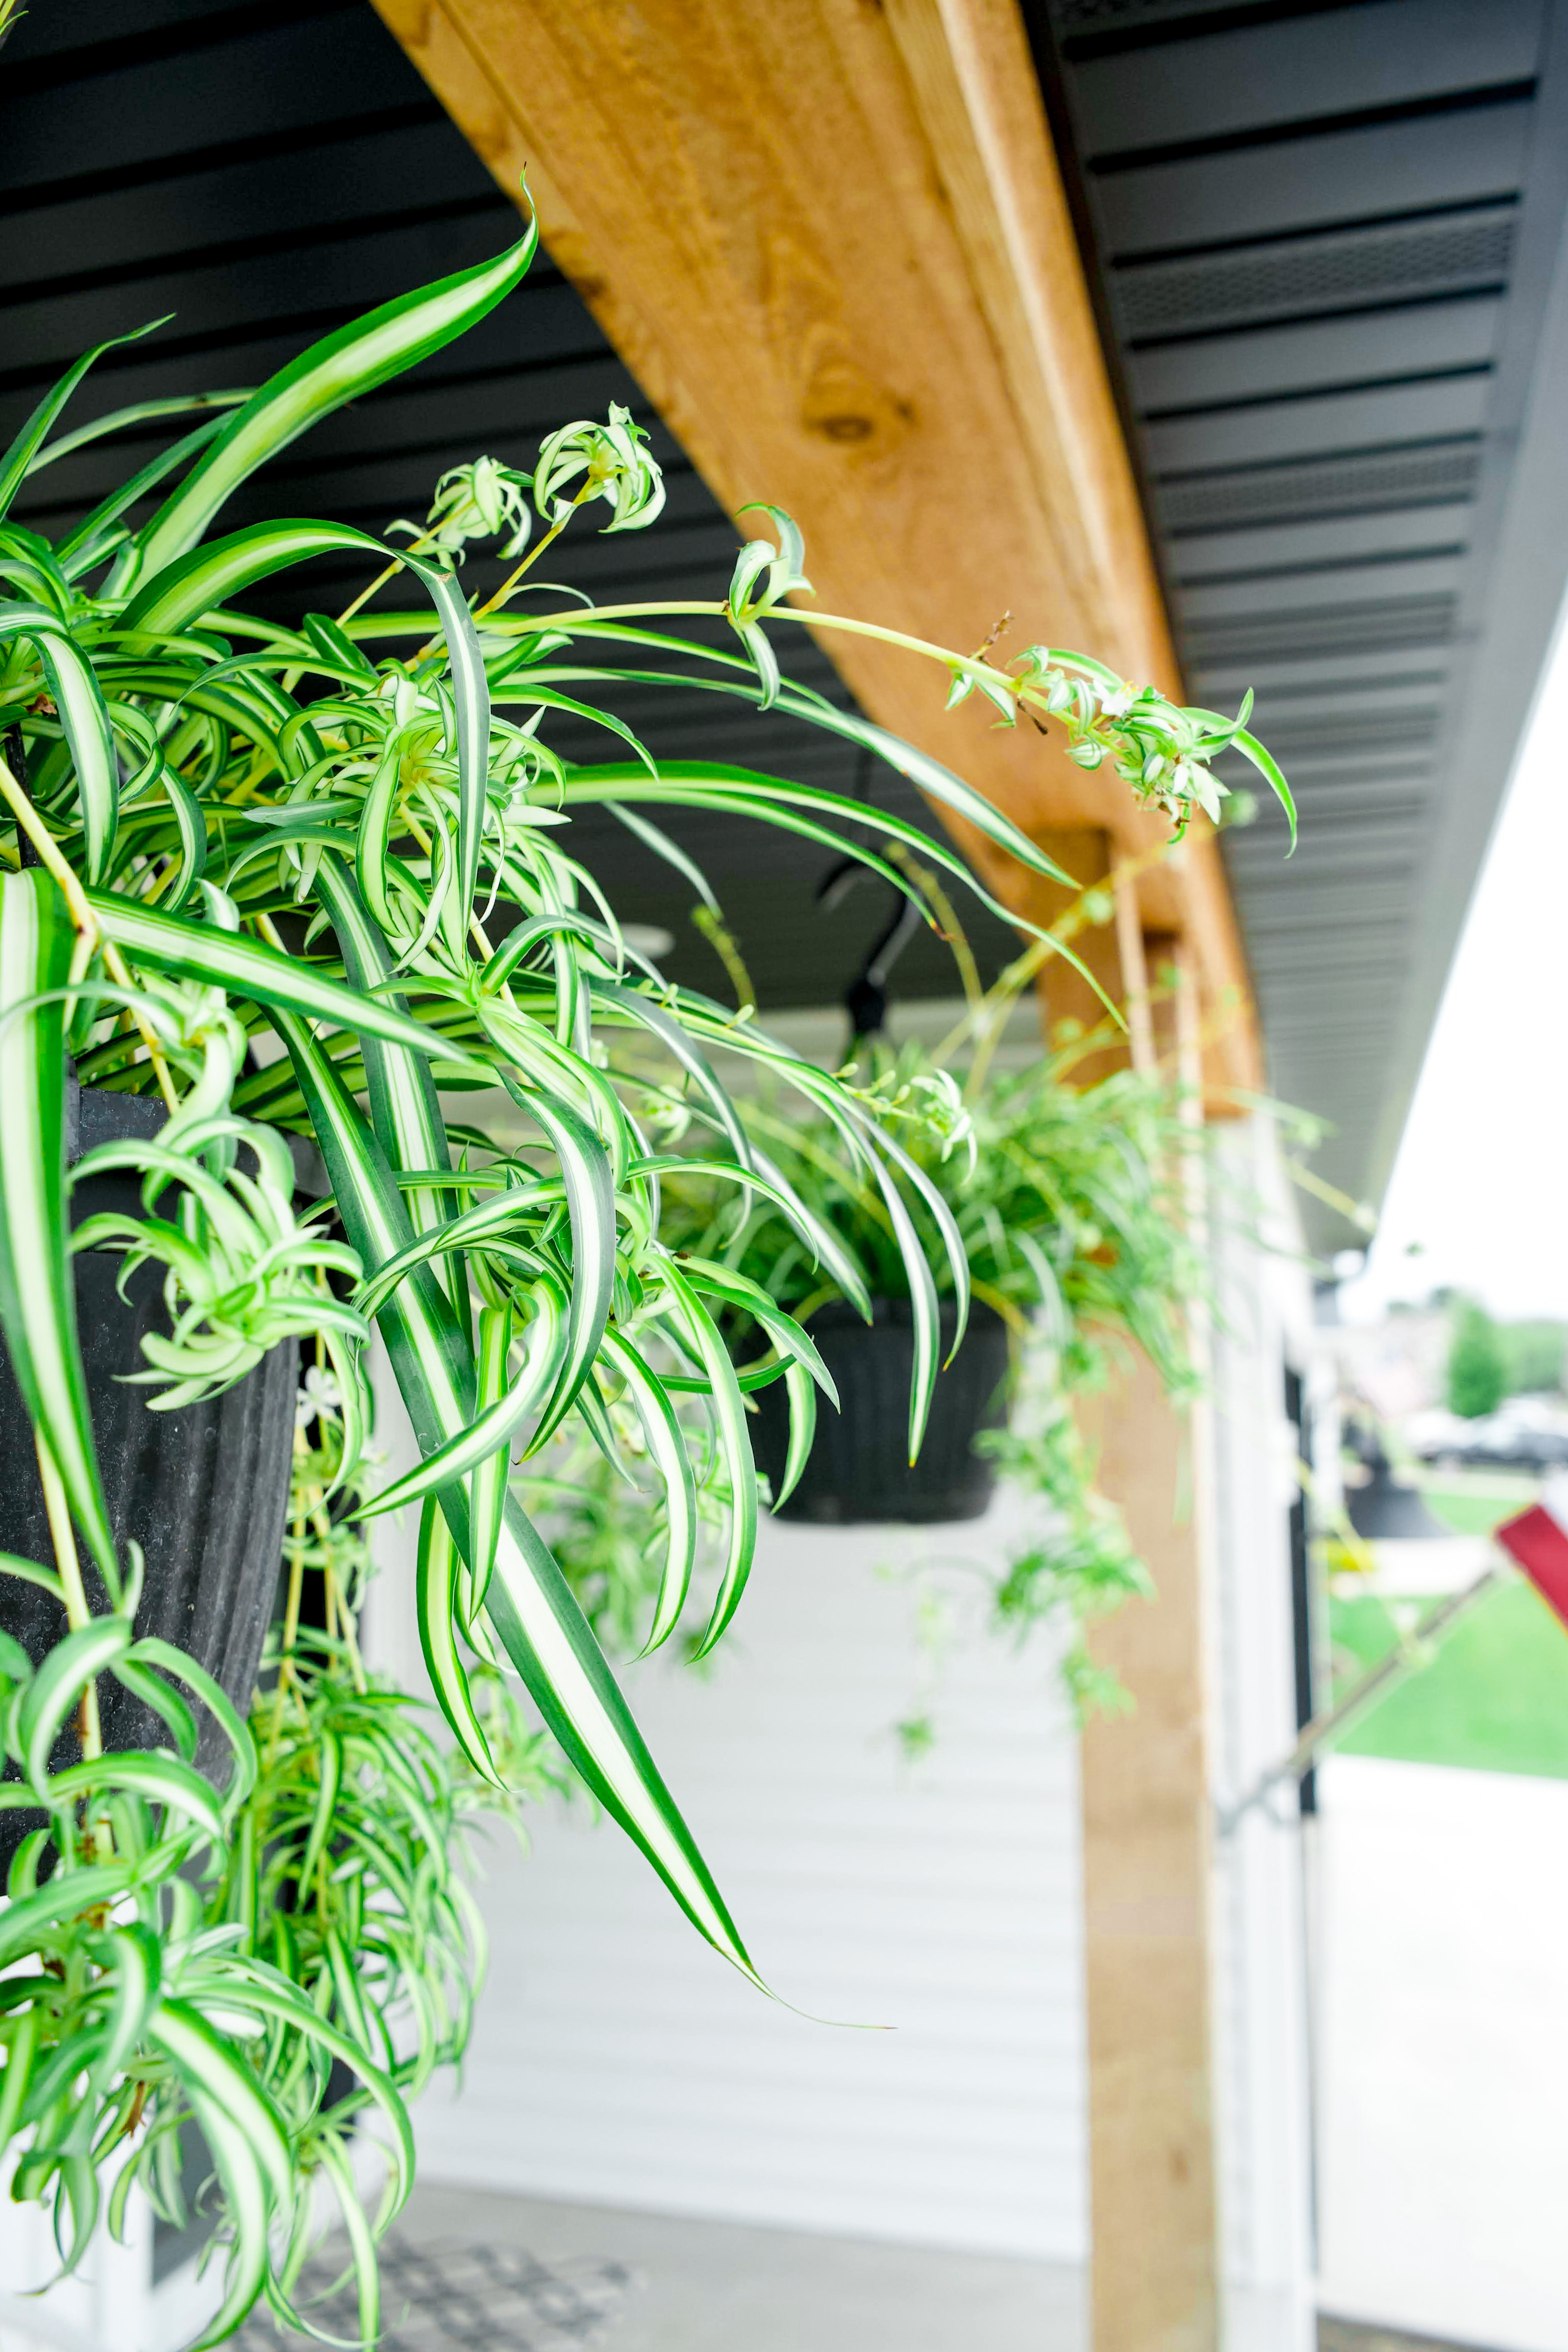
203	1490
858	1469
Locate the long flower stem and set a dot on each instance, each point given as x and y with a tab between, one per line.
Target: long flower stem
291	1635
513	579
584	621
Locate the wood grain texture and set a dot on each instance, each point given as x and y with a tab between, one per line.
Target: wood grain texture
1148	1941
1146	1776
1147	1844
830	240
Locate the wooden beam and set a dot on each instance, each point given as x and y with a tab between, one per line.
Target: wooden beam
830	241
1147	1813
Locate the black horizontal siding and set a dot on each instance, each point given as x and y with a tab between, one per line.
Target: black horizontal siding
264	172
1303	221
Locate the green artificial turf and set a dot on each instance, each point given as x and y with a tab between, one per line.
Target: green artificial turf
1494	1697
1474	1505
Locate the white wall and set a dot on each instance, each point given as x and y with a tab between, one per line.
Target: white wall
617	2059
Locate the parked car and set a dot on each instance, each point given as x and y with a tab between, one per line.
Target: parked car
1527	1433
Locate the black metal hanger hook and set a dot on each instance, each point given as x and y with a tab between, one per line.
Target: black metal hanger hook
866	998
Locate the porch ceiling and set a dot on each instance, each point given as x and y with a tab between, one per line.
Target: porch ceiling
1330	255
1326	242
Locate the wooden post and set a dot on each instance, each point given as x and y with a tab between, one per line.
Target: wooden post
1147	1929
1146	1864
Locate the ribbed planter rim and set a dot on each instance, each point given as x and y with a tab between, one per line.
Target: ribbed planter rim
859	1471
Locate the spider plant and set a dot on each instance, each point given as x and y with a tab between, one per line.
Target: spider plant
316	876
1069	1204
266	1966
1067	1200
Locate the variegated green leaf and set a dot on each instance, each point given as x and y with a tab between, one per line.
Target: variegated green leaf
67	1893
735	1444
341	367
667	1452
815	814
37	1297
805	1371
926	1313
84	721
529	1602
141	412
250	968
183	589
248	2209
638	1007
801	1390
1273	775
329	1774
210	2068
58	1684
486	1486
472	698
94	527
590	1184
19	458
136	1967
362	2244
153	1651
435	1603
475	1449
160	1779
15	2081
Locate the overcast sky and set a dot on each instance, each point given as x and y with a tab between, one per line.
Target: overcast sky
1481	1180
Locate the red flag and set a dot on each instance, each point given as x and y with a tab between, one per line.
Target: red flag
1538	1541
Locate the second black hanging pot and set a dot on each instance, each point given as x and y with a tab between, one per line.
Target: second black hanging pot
858	1468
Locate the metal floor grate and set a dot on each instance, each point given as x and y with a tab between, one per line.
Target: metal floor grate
446	2292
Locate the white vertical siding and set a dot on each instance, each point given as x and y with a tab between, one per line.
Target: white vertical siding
617	2059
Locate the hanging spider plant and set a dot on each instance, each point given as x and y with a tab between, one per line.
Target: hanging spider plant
1070	1204
317	879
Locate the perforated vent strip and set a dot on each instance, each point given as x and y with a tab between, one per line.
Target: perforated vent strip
1328	629
1364	482
1295	276
1332	738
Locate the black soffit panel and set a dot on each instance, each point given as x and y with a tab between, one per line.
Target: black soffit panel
264	172
1326	242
